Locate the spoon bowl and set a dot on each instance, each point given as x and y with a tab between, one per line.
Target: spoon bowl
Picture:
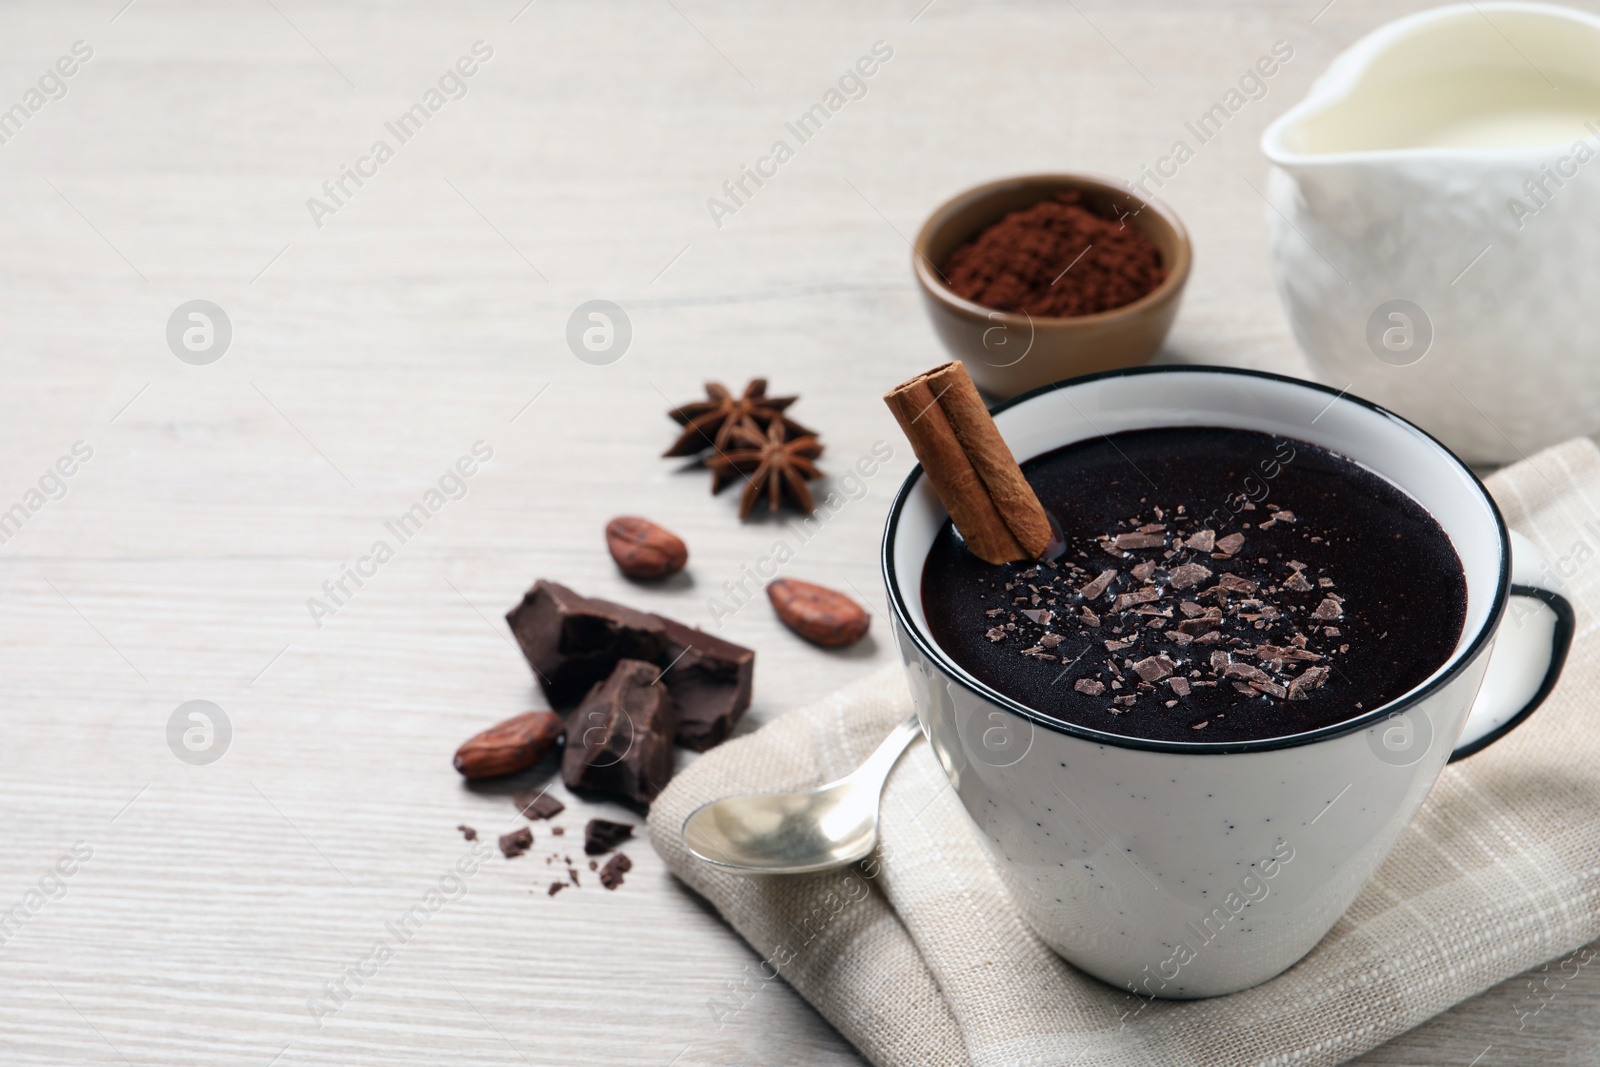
799	833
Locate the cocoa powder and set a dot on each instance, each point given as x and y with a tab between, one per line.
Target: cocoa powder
1058	258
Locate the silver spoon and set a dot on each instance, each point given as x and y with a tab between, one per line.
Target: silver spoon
799	833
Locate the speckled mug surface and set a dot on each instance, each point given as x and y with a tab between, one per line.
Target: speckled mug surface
1193	869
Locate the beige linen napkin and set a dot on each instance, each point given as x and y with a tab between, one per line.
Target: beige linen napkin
919	957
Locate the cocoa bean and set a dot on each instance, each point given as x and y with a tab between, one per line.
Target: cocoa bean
510	746
818	614
644	550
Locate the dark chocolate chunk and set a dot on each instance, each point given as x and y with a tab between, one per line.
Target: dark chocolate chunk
710	680
603	835
611	874
468	832
538	805
572	642
516	842
619	740
1091	686
556	887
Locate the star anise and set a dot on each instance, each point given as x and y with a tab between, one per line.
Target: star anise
721	418
773	464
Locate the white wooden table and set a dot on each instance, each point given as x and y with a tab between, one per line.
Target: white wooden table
428	312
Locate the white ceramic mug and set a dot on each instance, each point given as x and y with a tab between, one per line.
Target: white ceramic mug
1192	869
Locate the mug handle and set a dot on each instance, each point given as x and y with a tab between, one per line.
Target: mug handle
1530	649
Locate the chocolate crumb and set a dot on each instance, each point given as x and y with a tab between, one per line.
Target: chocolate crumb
467	832
556	887
516	842
558	830
538	805
1230	544
611	874
1202	541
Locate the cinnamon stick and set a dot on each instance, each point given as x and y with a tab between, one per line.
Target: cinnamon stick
970	465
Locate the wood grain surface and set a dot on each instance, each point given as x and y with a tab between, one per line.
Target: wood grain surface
210	908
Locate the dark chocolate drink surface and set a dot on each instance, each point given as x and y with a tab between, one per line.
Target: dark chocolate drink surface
1216	585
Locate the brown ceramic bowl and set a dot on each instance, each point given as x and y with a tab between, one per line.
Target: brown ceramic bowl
1011	352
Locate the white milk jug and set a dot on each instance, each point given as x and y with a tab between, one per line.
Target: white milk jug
1435	223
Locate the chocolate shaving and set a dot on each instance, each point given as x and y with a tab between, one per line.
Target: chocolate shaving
1098	586
1328	609
1154	668
1187	574
1139	596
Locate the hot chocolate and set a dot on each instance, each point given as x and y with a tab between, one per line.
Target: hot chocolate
1209	585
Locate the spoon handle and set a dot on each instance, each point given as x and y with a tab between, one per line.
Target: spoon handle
875	771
